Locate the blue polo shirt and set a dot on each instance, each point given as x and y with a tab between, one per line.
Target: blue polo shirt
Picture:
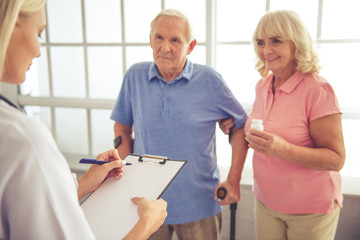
178	120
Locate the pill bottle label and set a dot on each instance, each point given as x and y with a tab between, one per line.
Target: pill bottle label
257	124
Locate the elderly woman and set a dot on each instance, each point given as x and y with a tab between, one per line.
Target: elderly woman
298	156
38	196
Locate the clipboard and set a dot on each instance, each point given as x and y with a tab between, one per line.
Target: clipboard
109	210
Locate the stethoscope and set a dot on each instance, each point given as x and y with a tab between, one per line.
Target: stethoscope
10	103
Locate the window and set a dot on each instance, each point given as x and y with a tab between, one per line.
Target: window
73	86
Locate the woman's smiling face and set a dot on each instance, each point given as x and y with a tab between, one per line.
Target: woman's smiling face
276	53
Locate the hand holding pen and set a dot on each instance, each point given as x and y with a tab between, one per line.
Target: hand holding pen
97	173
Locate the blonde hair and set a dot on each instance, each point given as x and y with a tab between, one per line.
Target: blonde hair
288	25
173	13
10	10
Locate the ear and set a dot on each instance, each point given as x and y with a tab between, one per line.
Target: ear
19	20
150	40
192	45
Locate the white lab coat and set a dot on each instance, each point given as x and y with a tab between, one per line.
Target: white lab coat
38	196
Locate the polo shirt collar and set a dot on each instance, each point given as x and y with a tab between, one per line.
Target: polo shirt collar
186	73
290	84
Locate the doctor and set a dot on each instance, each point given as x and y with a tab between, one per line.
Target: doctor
38	196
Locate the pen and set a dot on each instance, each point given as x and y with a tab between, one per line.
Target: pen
94	161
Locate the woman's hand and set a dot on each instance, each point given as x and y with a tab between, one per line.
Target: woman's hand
152	214
267	143
96	174
327	154
153	211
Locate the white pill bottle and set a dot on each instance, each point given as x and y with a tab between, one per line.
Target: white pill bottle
257	124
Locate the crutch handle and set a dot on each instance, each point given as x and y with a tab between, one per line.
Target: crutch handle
221	194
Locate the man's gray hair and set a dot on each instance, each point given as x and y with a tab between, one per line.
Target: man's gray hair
173	13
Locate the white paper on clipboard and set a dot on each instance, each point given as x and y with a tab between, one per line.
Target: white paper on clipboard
109	209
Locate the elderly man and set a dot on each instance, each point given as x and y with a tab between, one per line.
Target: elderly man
173	105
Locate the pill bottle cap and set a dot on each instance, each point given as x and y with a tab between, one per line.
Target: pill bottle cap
257	121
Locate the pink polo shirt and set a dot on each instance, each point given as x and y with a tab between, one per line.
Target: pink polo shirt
281	185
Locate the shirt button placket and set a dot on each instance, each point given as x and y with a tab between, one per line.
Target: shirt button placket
166	100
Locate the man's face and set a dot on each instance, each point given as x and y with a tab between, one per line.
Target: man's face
170	45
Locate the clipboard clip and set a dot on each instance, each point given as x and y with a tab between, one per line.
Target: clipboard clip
153	158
